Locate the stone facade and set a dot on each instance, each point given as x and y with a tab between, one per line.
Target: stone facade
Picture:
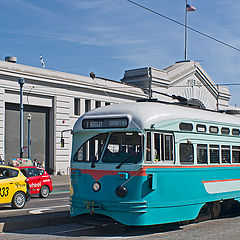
68	96
187	79
57	91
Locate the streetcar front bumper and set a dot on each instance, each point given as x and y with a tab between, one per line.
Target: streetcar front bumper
107	208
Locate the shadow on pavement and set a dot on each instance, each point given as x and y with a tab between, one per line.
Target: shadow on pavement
100	226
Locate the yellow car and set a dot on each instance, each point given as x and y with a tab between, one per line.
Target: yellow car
13	187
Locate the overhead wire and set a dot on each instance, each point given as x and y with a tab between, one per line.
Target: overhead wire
183	25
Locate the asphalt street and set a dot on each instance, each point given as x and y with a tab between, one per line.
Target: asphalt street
103	228
37	211
58	200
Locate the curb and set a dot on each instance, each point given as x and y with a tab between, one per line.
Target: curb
64	188
12	224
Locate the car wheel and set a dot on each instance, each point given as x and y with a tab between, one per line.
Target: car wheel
44	191
19	200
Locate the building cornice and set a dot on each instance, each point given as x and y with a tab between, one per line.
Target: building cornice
67	79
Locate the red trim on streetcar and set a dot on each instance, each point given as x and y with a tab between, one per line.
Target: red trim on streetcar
193	166
98	174
226	180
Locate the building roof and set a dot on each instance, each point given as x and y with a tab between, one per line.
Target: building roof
67	79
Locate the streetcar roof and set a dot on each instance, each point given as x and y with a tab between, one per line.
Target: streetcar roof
143	114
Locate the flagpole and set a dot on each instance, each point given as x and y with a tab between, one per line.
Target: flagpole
185	47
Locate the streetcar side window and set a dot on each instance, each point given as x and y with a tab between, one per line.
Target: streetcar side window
163	147
213	129
202	156
225	130
185	126
214	154
235	132
168	147
235	154
186	153
225	153
201	128
158	151
92	149
148	148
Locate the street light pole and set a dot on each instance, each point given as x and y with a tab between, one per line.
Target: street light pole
21	81
29	118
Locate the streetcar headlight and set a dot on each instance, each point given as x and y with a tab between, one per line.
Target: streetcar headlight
96	186
121	191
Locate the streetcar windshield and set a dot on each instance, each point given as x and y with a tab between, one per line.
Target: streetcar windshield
91	150
124	147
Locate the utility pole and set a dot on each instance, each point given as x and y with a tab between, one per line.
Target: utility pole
21	82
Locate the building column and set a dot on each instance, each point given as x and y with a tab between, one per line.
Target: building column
82	106
62	110
93	106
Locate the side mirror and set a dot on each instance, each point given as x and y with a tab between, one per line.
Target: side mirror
62	139
62	142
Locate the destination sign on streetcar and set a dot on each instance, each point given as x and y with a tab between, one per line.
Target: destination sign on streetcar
105	123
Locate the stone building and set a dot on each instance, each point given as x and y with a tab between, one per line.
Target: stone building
187	79
55	100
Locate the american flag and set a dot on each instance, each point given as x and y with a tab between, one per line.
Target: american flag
41	59
190	8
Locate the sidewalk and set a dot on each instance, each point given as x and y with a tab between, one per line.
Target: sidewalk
60	180
60	183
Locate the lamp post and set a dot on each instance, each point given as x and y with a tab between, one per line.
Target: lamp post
21	81
29	118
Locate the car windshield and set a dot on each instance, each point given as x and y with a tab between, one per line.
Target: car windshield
124	147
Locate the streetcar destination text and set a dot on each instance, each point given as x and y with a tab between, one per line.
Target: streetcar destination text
105	123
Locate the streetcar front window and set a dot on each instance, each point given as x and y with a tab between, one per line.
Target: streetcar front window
91	150
124	147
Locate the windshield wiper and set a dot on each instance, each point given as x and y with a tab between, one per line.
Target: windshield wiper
121	163
93	159
93	163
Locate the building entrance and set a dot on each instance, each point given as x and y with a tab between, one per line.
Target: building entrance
39	133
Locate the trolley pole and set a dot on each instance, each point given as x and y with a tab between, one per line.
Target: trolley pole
29	118
21	81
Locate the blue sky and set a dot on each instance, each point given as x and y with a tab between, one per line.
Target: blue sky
110	36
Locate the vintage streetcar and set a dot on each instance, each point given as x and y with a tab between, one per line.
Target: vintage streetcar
148	163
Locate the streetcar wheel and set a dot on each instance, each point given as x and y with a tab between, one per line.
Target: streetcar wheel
18	200
44	192
204	213
215	209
